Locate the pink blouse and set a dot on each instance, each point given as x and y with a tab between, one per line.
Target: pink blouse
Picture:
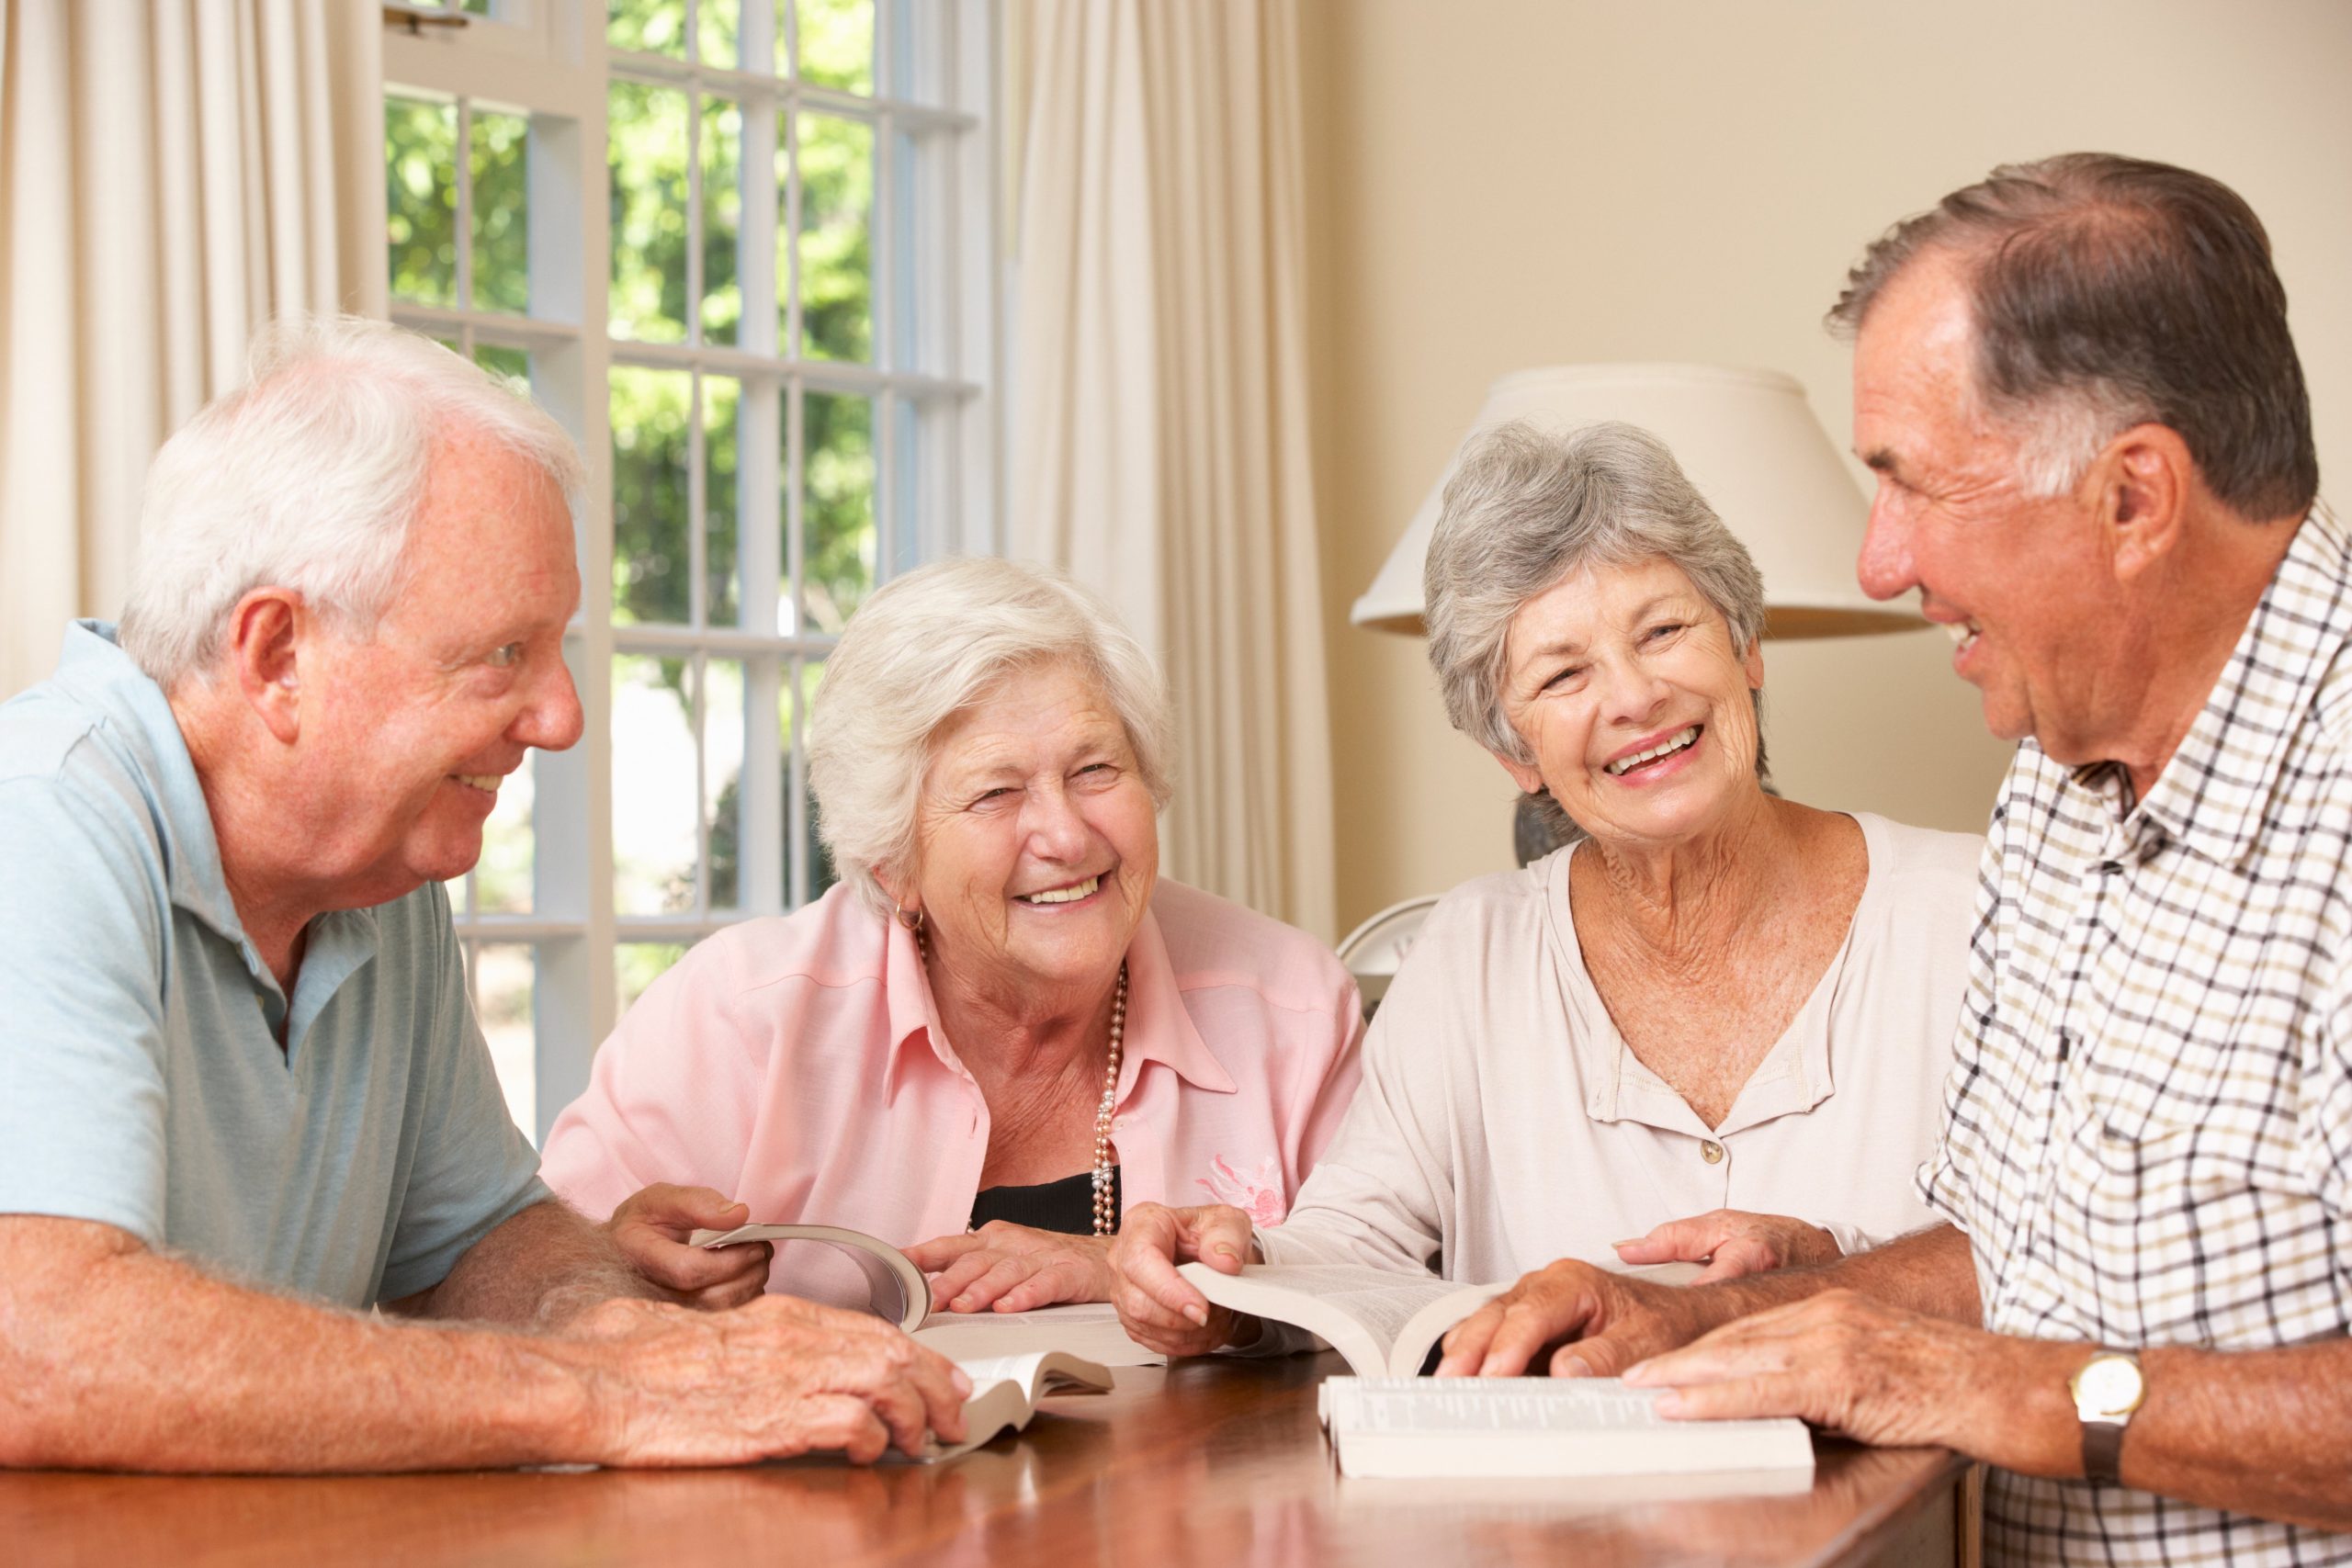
797	1064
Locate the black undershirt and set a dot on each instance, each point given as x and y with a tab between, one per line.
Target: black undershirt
1066	1205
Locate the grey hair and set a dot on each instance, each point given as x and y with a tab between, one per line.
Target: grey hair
1527	508
2106	292
307	477
929	645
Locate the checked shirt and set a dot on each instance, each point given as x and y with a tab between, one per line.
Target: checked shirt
2148	1133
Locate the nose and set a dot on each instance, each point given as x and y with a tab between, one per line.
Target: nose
552	719
1629	690
1055	830
1885	566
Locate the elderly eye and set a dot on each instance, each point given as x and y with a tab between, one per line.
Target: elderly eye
1570	673
508	656
1667	629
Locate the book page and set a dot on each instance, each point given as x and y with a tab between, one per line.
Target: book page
1491	1404
1090	1329
1381	1300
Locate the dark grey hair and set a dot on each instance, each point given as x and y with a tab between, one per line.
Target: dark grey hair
2108	292
1526	508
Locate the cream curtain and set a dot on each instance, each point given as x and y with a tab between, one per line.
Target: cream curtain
1159	445
172	172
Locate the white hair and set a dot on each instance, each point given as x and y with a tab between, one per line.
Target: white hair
308	477
923	649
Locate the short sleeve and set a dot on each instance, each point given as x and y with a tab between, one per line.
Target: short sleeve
472	1167
84	933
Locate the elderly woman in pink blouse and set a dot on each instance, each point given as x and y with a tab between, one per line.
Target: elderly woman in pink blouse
1002	1025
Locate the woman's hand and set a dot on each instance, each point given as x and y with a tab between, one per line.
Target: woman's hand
651	1229
1731	1242
1156	1307
1594	1322
1012	1268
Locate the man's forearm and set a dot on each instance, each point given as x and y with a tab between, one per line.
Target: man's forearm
125	1359
1930	1272
539	1270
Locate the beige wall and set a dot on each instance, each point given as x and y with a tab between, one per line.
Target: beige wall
1500	184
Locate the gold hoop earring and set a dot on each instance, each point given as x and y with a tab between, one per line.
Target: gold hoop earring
912	920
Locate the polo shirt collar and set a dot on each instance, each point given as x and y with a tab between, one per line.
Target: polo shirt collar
94	668
2213	793
1158	1027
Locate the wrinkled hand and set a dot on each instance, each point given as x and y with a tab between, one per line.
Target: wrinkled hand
1846	1362
1608	1322
1012	1268
651	1229
670	1387
1732	1242
1156	1307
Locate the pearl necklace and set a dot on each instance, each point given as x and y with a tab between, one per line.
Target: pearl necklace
1103	1216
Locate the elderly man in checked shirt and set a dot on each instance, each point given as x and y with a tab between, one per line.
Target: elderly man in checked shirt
2075	384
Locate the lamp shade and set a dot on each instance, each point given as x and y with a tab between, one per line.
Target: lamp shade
1750	442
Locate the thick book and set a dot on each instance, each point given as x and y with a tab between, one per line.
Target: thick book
1004	1395
1384	1323
1490	1428
898	1293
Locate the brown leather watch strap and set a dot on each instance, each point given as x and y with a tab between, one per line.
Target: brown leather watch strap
2103	1452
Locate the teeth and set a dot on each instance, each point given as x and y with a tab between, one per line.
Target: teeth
1674	743
1962	632
1070	895
480	781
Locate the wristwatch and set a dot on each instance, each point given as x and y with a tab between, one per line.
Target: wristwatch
2106	1389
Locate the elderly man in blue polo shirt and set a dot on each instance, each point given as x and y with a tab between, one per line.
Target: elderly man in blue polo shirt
241	1095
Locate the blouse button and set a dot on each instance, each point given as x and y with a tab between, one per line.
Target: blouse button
1711	1151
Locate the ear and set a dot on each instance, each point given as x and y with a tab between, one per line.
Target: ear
1754	663
1525	775
265	633
2140	488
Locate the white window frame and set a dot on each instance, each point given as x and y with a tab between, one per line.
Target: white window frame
548	59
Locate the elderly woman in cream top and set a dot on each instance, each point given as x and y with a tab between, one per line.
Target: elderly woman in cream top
1003	1024
1719	1023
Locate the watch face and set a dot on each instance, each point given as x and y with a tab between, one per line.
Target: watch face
2109	1386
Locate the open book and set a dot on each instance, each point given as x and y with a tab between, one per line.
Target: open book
1490	1427
1005	1391
898	1293
1384	1323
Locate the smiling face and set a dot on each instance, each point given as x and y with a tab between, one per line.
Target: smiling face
1038	841
2015	577
407	734
1624	681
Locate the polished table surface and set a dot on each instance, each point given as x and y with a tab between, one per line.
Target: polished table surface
1214	1462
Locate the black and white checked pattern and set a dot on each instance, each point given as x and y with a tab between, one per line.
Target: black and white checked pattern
2148	1133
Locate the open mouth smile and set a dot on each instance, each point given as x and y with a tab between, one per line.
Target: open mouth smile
1681	741
1074	893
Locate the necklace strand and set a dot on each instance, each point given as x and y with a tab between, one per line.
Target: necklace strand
1103	1169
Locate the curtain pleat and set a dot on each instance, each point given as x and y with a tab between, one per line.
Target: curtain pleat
1159	431
173	170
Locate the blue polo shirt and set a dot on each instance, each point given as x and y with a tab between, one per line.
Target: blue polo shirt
142	1082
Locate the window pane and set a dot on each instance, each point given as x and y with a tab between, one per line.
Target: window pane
837	43
718	38
503	875
655	823
722	219
502	976
421	200
837	507
636	965
806	677
501	211
722	773
514	364
722	407
646	156
649	27
836	220
651	563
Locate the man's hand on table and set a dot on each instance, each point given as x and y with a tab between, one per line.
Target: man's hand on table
1594	1324
670	1387
1156	1307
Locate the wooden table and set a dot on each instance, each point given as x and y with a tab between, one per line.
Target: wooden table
1215	1463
